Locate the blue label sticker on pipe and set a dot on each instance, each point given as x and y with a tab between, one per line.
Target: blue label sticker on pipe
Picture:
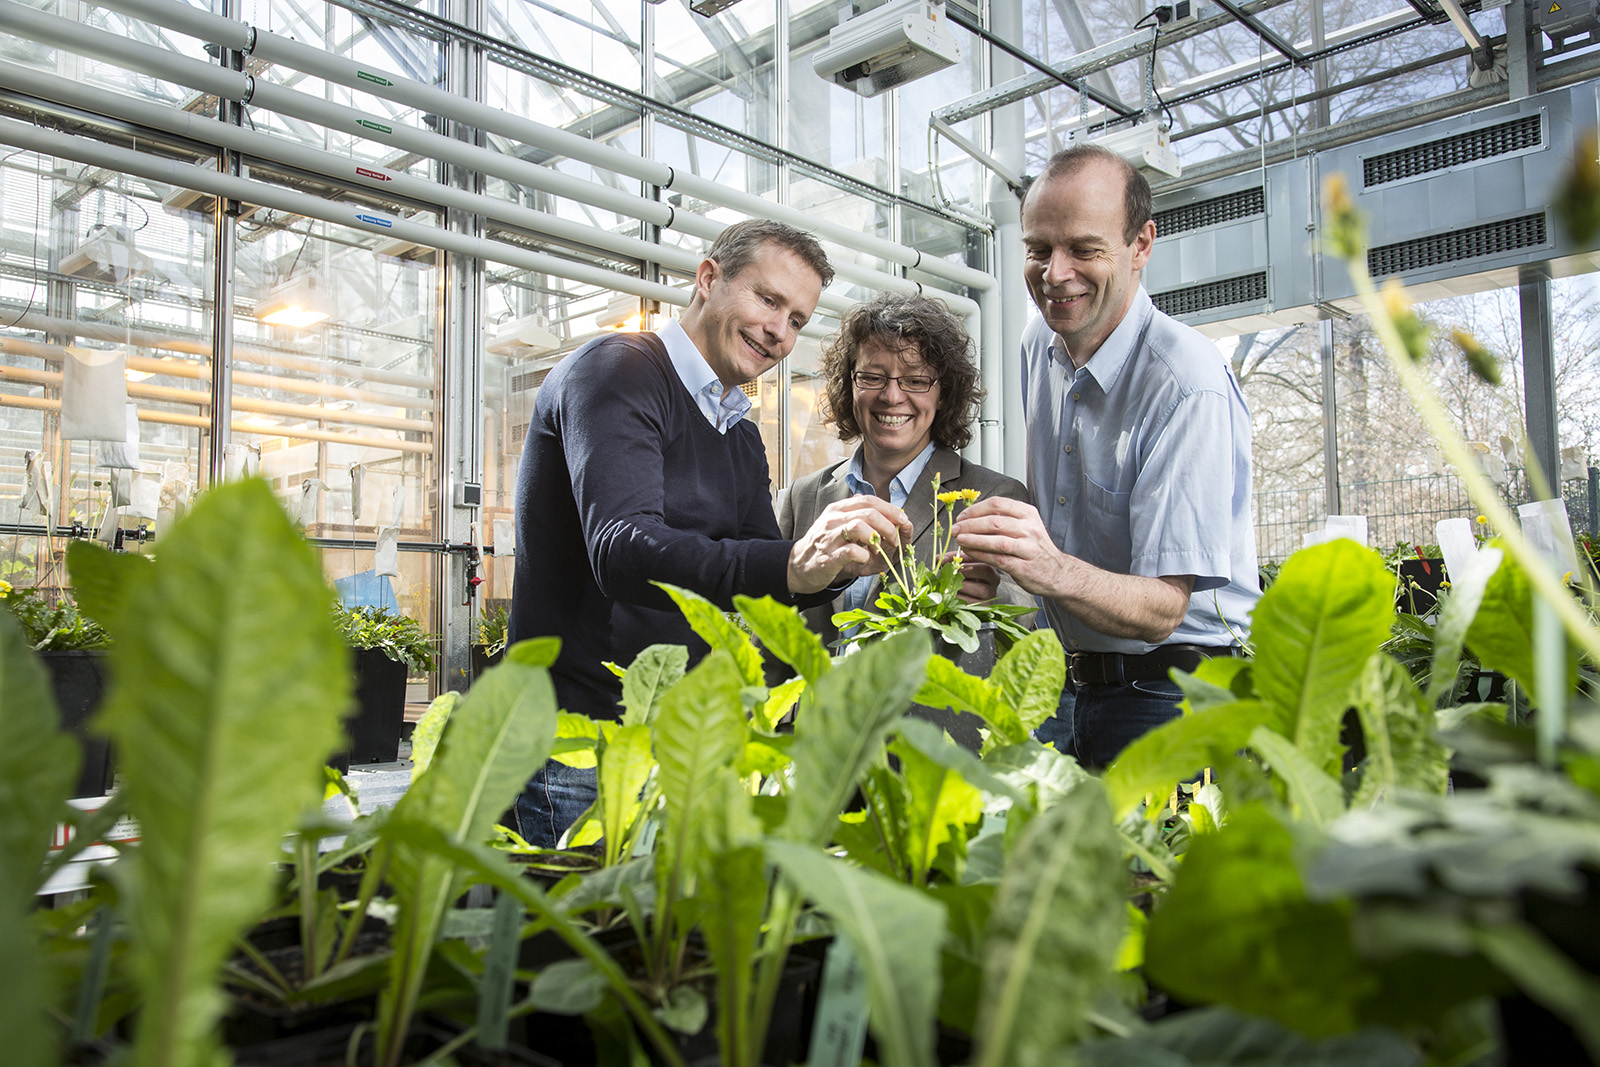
373	220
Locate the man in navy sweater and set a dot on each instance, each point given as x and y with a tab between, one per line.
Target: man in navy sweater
641	466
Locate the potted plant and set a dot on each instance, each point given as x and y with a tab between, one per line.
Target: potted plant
389	648
489	635
916	595
72	647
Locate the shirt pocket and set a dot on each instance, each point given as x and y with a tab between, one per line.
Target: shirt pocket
1107	527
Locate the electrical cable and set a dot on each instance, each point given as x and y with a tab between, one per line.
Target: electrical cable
38	208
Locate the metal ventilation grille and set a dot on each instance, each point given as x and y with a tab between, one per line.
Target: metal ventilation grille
1490	239
1452	151
1239	205
529	379
1245	289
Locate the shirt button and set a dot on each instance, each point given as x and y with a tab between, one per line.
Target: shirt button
1068	449
1076	395
716	388
1061	500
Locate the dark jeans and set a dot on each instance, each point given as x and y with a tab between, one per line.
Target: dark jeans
1057	730
552	801
1108	718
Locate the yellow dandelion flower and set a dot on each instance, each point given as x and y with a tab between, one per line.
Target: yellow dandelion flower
959	496
1567	578
950	497
1482	521
5	588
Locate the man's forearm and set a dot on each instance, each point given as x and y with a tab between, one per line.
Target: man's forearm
1122	605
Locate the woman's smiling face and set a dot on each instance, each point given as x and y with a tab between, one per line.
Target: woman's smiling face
895	424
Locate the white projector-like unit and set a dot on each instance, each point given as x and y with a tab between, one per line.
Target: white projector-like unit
1145	146
888	46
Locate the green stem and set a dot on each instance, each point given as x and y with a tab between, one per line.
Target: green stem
781	918
1479	488
306	847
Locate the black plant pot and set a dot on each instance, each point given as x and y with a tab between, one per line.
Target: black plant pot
962	726
79	678
482	661
380	708
331	1046
567	1038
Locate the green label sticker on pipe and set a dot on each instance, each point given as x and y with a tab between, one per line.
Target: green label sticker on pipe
375	79
369	124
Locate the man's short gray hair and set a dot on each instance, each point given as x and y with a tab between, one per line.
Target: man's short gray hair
736	247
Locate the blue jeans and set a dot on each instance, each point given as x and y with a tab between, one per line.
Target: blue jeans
1108	718
553	800
1057	730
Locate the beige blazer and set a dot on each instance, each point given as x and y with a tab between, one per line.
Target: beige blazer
809	495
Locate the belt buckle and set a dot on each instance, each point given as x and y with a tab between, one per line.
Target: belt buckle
1073	659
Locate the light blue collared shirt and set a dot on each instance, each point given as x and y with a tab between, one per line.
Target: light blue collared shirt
721	406
855	595
1139	463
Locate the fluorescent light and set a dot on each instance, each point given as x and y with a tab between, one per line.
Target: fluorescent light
295	303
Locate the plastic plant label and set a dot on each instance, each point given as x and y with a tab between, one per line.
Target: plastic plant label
1456	544
1547	528
505	537
840	1032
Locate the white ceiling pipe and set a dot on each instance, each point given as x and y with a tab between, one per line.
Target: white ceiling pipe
157	62
389	85
173	172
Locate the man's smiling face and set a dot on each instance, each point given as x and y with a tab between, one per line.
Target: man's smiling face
750	321
1081	270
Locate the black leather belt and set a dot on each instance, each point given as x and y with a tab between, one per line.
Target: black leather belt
1115	668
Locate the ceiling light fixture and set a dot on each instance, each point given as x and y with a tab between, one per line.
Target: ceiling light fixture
296	303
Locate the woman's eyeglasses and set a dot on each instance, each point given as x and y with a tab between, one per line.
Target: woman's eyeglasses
911	383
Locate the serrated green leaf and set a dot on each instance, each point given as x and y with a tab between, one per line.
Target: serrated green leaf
102	578
1330	609
1236	928
781	699
1046	775
699	733
625	767
1314	795
1501	633
730	906
1180	749
949	686
498	736
224	656
425	735
1218	680
534	652
718	631
652	672
1401	749
853	706
940	805
784	633
896	932
1040	974
577	736
1030	678
933	743
38	767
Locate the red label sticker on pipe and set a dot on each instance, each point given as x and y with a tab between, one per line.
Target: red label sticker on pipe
375	175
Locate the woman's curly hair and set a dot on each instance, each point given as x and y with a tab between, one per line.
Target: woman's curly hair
896	320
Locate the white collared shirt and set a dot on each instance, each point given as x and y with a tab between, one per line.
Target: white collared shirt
722	407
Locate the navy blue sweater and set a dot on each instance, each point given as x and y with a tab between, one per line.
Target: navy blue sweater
624	481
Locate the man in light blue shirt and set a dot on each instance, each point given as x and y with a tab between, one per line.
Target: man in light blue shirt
1142	545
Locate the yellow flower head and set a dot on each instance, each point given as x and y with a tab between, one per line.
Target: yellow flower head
1482	521
5	588
965	496
1567	578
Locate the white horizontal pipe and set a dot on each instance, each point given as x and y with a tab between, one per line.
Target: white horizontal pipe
172	172
277	49
154	61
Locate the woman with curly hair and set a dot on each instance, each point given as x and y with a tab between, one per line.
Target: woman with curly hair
900	377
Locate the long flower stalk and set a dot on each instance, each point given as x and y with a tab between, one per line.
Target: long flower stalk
1347	241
